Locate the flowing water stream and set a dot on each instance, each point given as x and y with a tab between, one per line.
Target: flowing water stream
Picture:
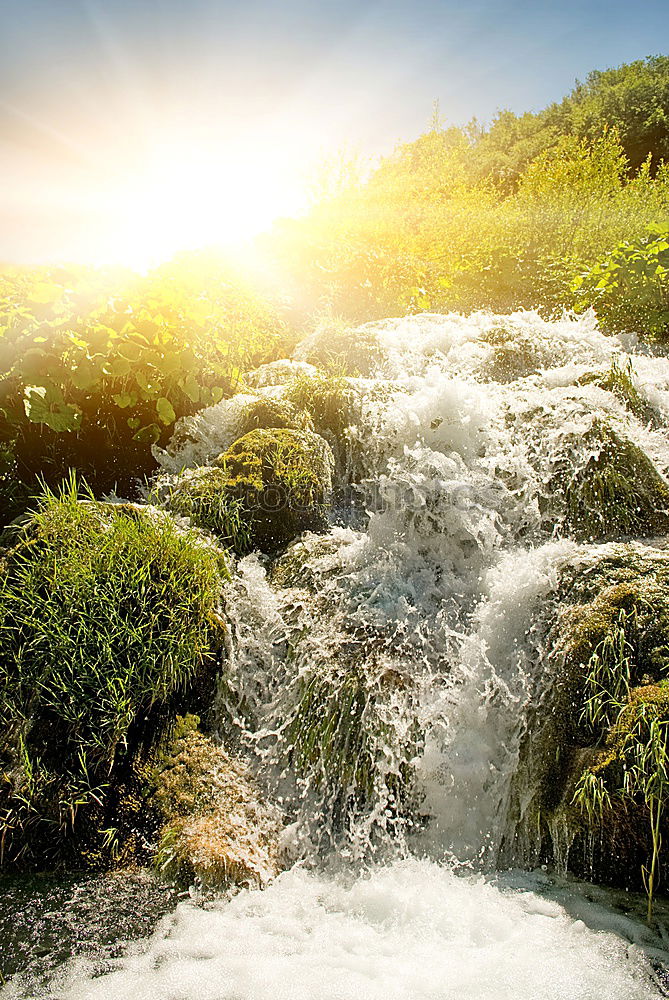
382	677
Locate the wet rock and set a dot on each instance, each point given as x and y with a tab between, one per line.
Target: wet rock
281	479
217	827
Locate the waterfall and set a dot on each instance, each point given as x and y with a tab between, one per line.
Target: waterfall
382	677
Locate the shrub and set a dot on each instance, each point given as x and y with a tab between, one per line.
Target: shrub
96	367
107	622
629	287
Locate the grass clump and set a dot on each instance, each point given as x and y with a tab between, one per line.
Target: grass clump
107	622
281	480
633	769
617	492
201	495
619	380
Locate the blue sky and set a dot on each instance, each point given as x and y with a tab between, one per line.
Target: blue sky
87	86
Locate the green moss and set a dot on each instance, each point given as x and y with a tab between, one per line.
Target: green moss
618	491
625	590
291	568
327	398
512	358
271	411
334	345
607	723
215	826
281	480
107	622
619	381
341	736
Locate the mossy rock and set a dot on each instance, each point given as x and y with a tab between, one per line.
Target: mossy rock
291	568
342	738
618	492
592	748
216	827
108	624
273	412
282	480
619	380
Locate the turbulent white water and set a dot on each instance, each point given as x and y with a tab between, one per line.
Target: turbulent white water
410	930
434	591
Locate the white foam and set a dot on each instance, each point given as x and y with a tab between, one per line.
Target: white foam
410	931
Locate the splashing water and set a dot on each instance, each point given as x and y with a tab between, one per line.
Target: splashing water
382	677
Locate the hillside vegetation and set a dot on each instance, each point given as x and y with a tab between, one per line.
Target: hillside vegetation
564	208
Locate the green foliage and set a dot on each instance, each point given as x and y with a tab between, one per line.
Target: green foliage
202	494
500	219
107	620
96	367
280	480
629	287
635	768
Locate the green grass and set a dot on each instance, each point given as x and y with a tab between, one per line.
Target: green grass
201	494
107	619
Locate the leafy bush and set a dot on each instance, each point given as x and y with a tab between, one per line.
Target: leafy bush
107	620
629	287
95	368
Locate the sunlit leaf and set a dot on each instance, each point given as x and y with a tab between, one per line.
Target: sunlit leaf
165	411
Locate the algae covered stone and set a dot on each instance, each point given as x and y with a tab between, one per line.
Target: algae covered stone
598	749
273	411
217	828
618	491
282	480
107	624
202	495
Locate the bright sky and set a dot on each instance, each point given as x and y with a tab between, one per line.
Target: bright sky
133	128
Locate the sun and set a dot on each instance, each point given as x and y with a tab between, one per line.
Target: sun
189	195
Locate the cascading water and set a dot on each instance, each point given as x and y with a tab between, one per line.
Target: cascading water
381	677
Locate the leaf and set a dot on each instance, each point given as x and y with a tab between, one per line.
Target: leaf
165	411
118	367
148	434
124	399
45	405
189	386
43	293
